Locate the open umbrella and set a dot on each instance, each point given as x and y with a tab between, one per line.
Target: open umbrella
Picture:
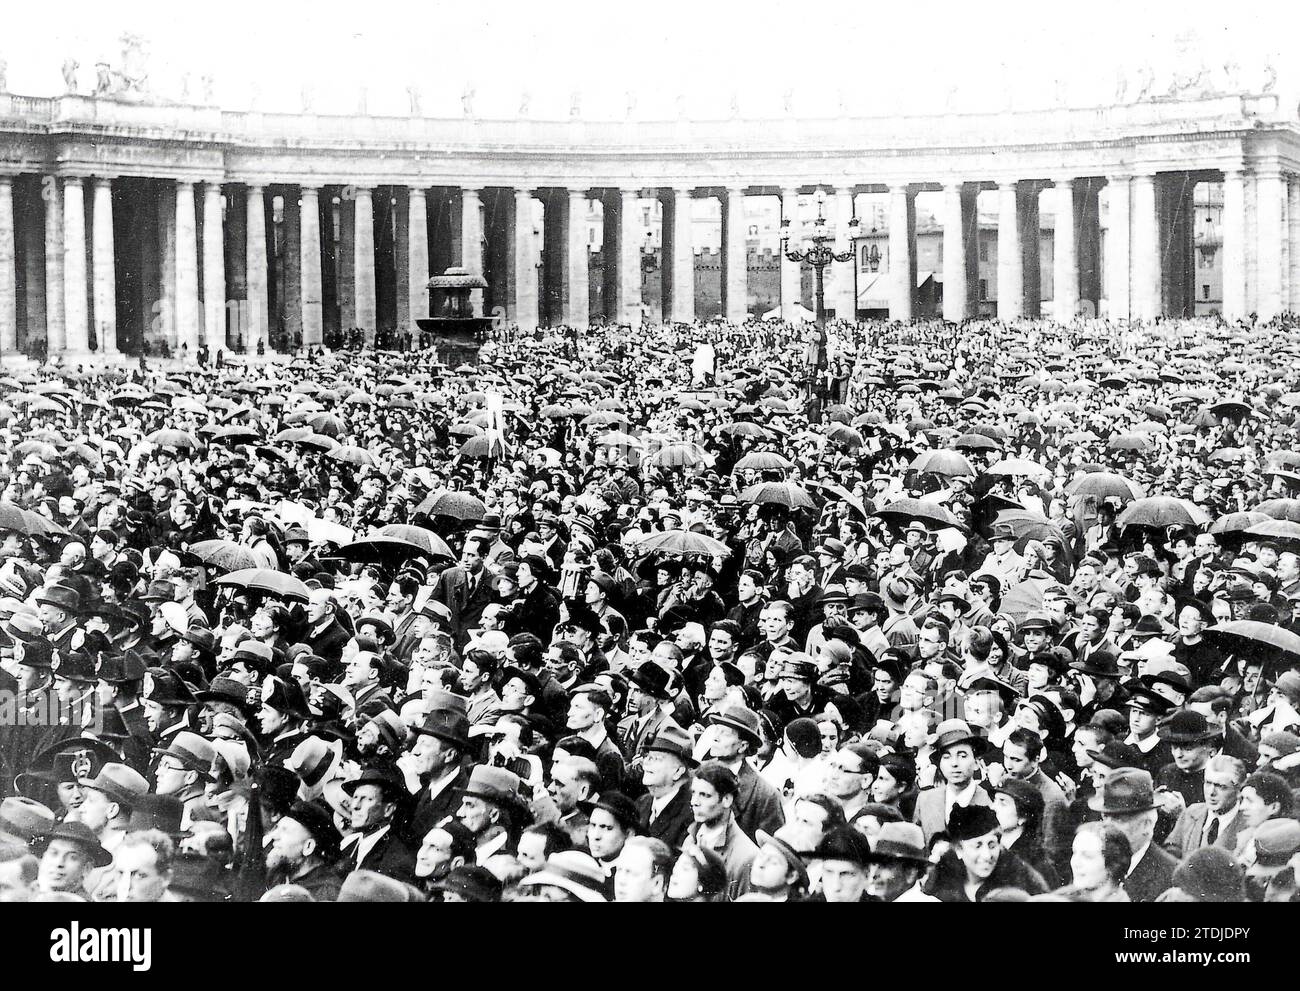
683	542
463	506
1018	466
1253	638
763	461
397	542
679	456
787	494
1163	511
225	555
1272	529
942	462
1238	522
1103	485
173	438
745	428
275	583
351	454
930	514
616	438
1281	509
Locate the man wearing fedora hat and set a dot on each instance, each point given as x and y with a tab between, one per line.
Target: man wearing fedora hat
1127	798
493	809
183	769
376	842
649	708
303	850
665	809
897	864
778	872
59	607
956	751
70	853
438	758
732	737
841	860
106	804
1002	561
281	718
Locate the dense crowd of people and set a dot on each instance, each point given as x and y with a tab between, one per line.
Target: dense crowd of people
692	613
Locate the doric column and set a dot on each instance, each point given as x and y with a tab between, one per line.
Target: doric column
75	310
683	255
187	272
525	262
258	298
1065	259
309	268
791	271
55	327
104	267
735	274
902	260
8	272
1293	241
165	326
843	293
214	268
417	254
30	231
363	244
1145	262
471	241
289	285
1270	191
1117	248
629	258
1011	273
954	254
577	277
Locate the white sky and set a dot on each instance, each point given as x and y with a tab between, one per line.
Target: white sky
911	56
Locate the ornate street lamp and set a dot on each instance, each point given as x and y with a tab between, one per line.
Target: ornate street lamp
818	253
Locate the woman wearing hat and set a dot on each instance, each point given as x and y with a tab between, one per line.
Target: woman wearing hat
699	875
978	863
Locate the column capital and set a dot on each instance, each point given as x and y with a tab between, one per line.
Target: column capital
789	191
1004	183
523	192
844	190
954	185
1061	182
1118	177
254	187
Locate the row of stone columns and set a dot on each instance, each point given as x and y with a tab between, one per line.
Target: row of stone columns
1261	254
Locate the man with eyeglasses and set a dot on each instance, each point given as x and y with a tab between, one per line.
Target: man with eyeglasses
851	771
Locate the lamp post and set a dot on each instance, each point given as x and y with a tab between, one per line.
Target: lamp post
819	253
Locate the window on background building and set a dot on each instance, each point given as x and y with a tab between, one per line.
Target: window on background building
984	251
753	230
1205	291
984	289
